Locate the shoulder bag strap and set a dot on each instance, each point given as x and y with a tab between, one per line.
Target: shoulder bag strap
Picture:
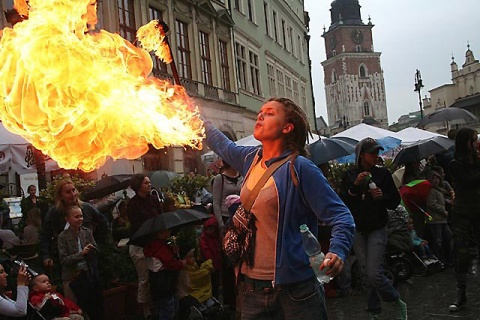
266	175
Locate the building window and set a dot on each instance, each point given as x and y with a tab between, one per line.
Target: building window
334	53
290	35
205	60
254	72
267	21
241	65
284	34
271	79
358	48
158	65
366	108
250	11
288	87
471	89
334	76
362	71
304	96
236	5
183	50
280	82
275	30
296	97
225	69
126	15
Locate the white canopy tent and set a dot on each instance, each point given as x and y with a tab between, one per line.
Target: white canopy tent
411	135
362	131
17	153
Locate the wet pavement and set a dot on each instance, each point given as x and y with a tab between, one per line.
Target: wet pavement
427	298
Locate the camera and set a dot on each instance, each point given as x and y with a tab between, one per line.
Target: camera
22	263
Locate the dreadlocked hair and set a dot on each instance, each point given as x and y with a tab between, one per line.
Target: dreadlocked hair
297	138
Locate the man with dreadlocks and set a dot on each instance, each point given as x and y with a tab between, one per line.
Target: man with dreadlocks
280	284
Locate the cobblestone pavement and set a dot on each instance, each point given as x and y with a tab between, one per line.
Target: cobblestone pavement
427	298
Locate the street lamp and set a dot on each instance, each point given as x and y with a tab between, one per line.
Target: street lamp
418	88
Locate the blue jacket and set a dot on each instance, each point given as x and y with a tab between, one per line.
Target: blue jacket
312	199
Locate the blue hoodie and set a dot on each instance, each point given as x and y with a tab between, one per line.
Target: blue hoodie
310	200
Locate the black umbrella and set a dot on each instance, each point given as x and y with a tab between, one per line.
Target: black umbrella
328	149
422	149
165	221
162	178
446	115
108	185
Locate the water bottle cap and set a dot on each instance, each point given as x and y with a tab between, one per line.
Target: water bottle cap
304	228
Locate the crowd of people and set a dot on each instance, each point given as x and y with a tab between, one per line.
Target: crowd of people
274	278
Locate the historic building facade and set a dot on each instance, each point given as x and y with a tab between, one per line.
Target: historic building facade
353	76
463	92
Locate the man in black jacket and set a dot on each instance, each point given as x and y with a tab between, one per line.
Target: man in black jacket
369	191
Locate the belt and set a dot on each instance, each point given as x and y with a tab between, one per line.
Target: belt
258	285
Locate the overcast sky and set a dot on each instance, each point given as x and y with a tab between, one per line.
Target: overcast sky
411	34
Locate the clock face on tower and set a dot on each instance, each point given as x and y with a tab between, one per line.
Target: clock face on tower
333	42
357	36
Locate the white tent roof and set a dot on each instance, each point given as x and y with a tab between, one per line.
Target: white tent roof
6	137
411	135
362	131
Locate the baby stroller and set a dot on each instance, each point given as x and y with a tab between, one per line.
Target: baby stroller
199	303
398	264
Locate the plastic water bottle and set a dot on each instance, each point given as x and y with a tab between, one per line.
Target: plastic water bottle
371	184
316	256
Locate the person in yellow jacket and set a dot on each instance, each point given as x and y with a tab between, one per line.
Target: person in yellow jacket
194	285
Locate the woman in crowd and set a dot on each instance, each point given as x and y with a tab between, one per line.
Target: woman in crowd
280	284
9	307
465	174
65	195
139	209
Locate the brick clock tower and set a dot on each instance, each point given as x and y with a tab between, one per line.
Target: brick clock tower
354	84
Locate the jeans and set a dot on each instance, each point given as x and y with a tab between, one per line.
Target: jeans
304	300
370	252
441	238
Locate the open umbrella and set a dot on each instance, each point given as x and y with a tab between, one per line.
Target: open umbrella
446	115
108	185
162	178
414	198
166	220
328	149
422	149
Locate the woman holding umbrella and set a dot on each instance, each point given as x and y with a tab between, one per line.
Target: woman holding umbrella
280	283
465	173
139	209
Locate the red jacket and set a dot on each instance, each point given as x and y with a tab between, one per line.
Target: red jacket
210	247
66	305
159	249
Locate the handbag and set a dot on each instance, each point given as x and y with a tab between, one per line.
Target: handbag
239	240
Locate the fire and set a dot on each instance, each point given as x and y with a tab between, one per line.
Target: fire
82	97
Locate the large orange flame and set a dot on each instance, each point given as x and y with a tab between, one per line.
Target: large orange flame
82	97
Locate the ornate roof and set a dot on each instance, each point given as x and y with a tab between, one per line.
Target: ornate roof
346	12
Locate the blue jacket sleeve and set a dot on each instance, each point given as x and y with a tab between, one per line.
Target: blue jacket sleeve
328	207
227	149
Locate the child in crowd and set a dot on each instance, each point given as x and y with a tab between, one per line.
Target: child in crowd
31	232
440	233
194	287
210	248
77	250
121	225
163	274
420	245
51	304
